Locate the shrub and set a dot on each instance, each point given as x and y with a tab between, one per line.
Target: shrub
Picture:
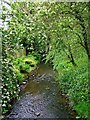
82	109
74	82
10	87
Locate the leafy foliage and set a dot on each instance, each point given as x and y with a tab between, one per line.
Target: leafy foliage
82	108
10	87
24	65
12	76
55	32
73	80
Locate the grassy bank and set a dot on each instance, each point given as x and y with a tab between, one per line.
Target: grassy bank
73	81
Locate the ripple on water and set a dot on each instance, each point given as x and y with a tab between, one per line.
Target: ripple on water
41	98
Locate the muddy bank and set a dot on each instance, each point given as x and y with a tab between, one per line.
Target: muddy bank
41	97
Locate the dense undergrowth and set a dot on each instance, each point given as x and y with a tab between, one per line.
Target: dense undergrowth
55	32
14	72
24	65
73	81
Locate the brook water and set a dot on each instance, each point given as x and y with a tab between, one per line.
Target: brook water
41	97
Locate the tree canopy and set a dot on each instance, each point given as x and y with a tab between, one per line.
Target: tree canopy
58	33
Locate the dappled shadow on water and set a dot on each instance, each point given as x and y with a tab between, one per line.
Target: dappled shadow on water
41	97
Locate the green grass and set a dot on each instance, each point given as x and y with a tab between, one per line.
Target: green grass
74	83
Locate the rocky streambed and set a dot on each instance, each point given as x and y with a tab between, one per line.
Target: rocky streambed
41	97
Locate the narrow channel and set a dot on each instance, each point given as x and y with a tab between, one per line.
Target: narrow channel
41	97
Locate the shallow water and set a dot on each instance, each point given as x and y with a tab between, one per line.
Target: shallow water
41	97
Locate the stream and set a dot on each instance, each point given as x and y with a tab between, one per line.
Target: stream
41	97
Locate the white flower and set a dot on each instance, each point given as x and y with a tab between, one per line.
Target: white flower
3	105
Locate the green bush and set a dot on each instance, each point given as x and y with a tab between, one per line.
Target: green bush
20	77
82	108
13	73
10	87
24	65
74	82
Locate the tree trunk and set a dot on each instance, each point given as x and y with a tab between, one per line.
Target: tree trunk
71	57
88	40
